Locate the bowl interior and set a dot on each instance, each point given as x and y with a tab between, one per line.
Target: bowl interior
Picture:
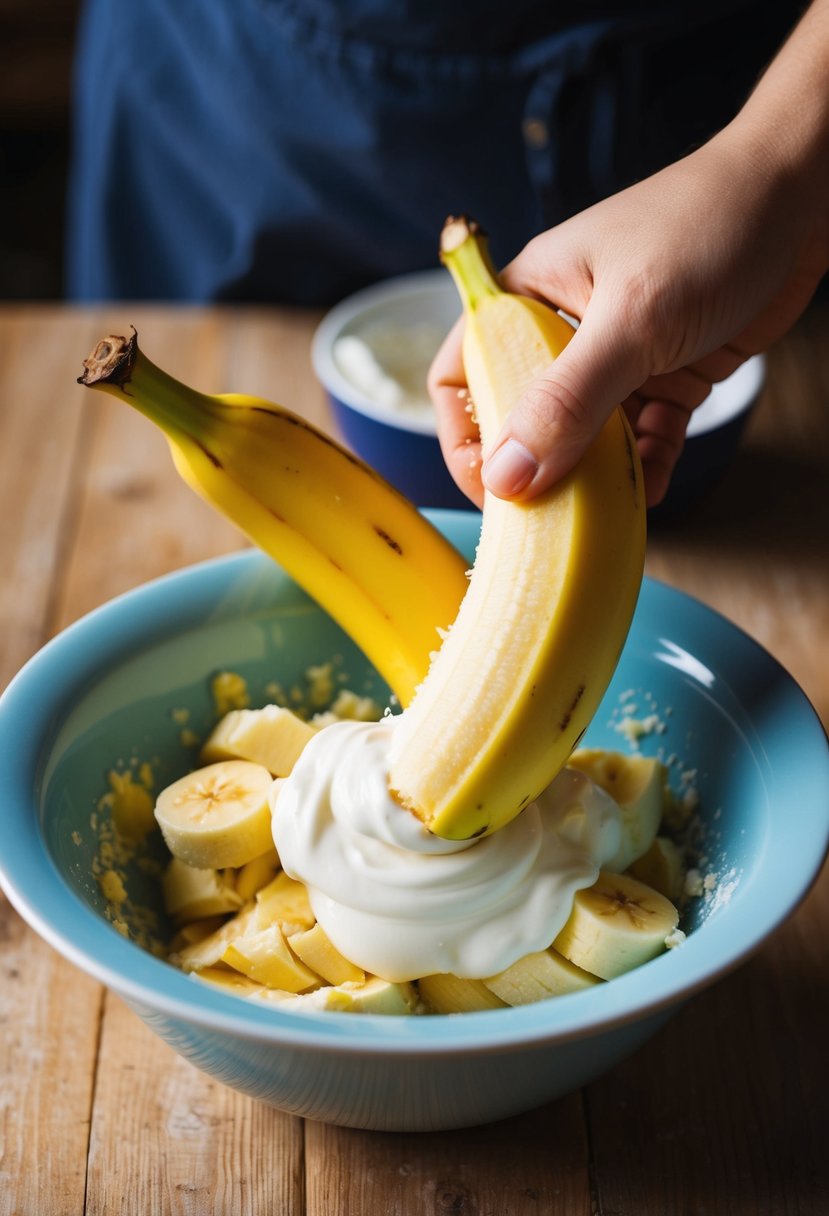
122	687
403	319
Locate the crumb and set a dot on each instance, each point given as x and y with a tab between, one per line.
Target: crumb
674	939
230	691
693	883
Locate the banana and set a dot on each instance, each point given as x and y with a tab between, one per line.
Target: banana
372	996
217	816
447	993
536	977
551	595
662	868
265	956
271	736
354	543
639	785
191	894
616	925
285	901
254	875
315	949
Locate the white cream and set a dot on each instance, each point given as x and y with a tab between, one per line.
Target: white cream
389	363
402	903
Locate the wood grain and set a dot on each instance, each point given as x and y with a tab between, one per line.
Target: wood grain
722	1113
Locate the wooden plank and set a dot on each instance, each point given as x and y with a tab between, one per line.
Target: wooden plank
726	1110
201	1146
49	1012
49	1018
532	1165
168	1139
38	477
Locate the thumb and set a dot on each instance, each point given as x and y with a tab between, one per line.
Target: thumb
558	416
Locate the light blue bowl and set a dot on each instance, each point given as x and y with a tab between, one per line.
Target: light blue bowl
108	688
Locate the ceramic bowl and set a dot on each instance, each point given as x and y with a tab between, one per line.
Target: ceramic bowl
405	318
117	687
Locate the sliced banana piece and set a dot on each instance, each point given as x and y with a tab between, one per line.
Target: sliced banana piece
284	902
616	925
207	951
639	785
217	816
447	993
373	996
272	736
315	949
191	894
662	868
537	977
265	956
256	874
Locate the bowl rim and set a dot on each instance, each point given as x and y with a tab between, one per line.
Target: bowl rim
41	692
332	324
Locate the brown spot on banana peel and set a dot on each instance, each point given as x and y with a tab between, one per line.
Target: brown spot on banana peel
390	541
565	721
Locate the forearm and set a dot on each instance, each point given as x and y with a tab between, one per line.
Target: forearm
784	125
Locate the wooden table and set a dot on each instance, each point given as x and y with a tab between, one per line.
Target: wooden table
723	1113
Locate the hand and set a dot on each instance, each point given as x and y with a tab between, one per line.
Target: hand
677	280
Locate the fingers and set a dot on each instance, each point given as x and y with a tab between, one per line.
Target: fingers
560	414
660	428
458	433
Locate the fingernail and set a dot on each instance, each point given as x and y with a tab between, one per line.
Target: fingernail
509	469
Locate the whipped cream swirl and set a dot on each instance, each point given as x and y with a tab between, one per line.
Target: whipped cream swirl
402	903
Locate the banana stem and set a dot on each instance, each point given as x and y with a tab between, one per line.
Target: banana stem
117	366
463	249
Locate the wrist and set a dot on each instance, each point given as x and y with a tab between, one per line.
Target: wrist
783	128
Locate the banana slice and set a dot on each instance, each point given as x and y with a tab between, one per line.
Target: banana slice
191	894
217	816
616	925
207	951
638	784
265	956
272	736
662	868
284	901
315	949
256	874
538	976
447	993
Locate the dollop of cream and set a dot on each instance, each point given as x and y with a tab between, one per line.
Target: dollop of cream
402	903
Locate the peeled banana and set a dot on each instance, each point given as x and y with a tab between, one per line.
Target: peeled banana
352	541
551	596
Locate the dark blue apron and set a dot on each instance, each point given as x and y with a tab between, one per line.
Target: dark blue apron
272	151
